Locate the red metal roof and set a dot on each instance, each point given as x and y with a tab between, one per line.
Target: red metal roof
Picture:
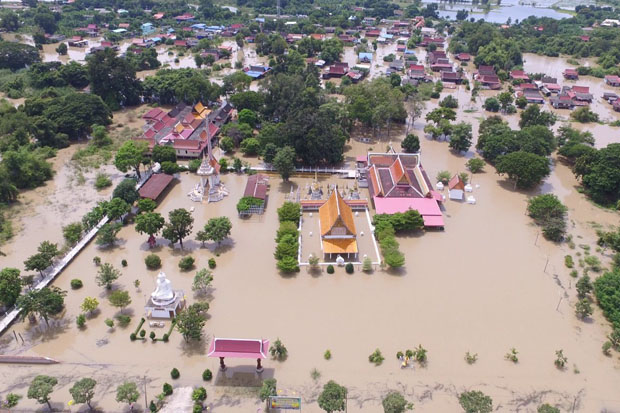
238	348
156	184
256	186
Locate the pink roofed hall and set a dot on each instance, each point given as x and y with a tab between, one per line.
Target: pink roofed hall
239	348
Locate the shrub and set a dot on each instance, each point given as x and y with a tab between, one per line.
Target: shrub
547	408
132	336
420	354
330	269
165	338
152	335
142	333
268	389
394	402
475	165
102	181
606	348
444	177
349	268
376	357
124	262
212	263
583	308
123	320
76	284
109	322
289	211
186	263
197	408
475	402
568	261
96	260
512	355
193	165
199	394
12	399
327	355
278	350
491	104
471	358
560	359
207	375
287	228
167	389
152	261
174	373
80	320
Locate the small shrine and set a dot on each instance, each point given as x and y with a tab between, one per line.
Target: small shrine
209	172
164	302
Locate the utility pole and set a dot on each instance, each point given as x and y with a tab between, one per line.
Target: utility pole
278	9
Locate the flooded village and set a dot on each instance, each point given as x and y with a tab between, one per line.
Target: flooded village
399	272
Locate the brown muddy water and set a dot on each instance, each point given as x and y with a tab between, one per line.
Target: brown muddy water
488	283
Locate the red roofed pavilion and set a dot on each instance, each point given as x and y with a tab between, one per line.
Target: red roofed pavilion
239	348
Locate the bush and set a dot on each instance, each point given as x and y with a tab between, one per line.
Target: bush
491	104
197	408
124	262
376	357
207	375
102	181
327	355
152	335
349	268
568	261
167	389
76	284
80	320
109	322
278	351
289	211
547	408
186	263
170	168
193	165
199	394
475	402
165	338
211	263
475	165
142	333
606	348
132	336
12	399
550	213
444	177
123	320
152	261
174	373
268	389
97	261
394	402
330	269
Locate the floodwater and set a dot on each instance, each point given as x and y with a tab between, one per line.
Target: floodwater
515	10
488	283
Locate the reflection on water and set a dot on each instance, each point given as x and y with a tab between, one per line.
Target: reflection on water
509	9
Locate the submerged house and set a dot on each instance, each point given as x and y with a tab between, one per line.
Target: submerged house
338	233
570	74
456	188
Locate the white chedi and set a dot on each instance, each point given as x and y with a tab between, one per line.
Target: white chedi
163	294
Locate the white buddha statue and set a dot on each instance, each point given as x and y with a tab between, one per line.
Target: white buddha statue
163	294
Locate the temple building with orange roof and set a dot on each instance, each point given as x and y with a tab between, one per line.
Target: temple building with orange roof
338	233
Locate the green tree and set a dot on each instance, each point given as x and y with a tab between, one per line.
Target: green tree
269	388
247	100
100	137
179	226
332	398
289	211
149	223
411	143
475	165
113	78
83	391
44	302
394	402
250	146
127	393
600	173
227	144
17	55
525	169
532	115
163	153
191	321
216	230
269	153
72	232
89	304
146	205
331	49
130	155
583	308
202	281
584	287
461	137
62	49
491	104
584	115
38	262
107	234
116	208
40	389
10	286
106	276
505	99
475	402
547	408
119	298
248	116
284	162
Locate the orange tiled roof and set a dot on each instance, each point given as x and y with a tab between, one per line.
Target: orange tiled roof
340	246
333	211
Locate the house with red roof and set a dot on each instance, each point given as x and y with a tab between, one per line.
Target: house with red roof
463	57
612	80
519	75
570	74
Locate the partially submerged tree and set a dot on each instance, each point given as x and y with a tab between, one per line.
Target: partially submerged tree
127	393
83	391
40	389
216	229
332	398
179	226
106	276
191	321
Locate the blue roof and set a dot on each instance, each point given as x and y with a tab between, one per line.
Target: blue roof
156	39
198	26
409	52
365	56
254	75
147	24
